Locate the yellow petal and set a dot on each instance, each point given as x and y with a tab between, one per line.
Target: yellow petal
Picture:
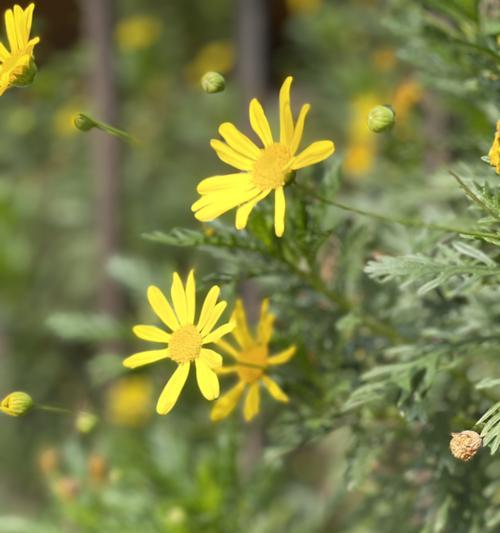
207	379
22	41
241	332
28	19
252	402
299	129
162	308
145	358
179	299
279	211
208	306
225	404
214	205
238	141
213	359
226	347
223	370
11	30
244	210
259	123
213	318
286	119
151	333
314	153
230	156
282	357
218	333
274	389
227	183
4	53
265	328
191	297
170	394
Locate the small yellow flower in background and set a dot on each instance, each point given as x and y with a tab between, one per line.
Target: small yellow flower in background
129	401
218	56
137	32
299	7
405	97
17	67
362	145
264	170
252	360
494	153
64	120
16	403
186	341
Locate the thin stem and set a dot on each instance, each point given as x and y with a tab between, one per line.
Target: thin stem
474	197
403	222
53	409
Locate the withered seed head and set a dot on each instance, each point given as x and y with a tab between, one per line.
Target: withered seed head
465	445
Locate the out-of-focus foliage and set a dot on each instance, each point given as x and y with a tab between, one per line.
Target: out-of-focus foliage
386	280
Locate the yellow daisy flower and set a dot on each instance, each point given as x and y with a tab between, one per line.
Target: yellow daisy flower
264	169
494	153
16	65
252	360
186	340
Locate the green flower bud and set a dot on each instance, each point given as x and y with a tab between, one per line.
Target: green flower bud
85	422
84	122
213	82
381	118
26	75
16	403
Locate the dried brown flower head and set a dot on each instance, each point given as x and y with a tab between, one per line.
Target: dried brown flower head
465	445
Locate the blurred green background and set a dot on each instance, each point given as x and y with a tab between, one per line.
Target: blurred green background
72	286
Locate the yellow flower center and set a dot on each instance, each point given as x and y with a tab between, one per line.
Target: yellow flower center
185	344
251	360
271	170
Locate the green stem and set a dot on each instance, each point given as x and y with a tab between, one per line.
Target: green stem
474	197
391	220
52	409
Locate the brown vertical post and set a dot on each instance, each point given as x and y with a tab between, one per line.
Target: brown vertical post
106	157
253	27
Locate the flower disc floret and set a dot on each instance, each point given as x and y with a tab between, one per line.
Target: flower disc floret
185	344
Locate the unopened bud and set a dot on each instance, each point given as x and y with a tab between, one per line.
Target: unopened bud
465	445
84	122
16	403
213	82
85	422
381	118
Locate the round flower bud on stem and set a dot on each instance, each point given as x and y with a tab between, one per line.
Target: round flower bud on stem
381	118
16	403
465	445
213	82
84	122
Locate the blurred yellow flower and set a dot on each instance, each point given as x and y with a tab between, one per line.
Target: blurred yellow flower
185	343
128	401
494	153
406	95
218	56
137	32
17	67
361	142
252	361
384	59
359	158
64	120
264	169
297	7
